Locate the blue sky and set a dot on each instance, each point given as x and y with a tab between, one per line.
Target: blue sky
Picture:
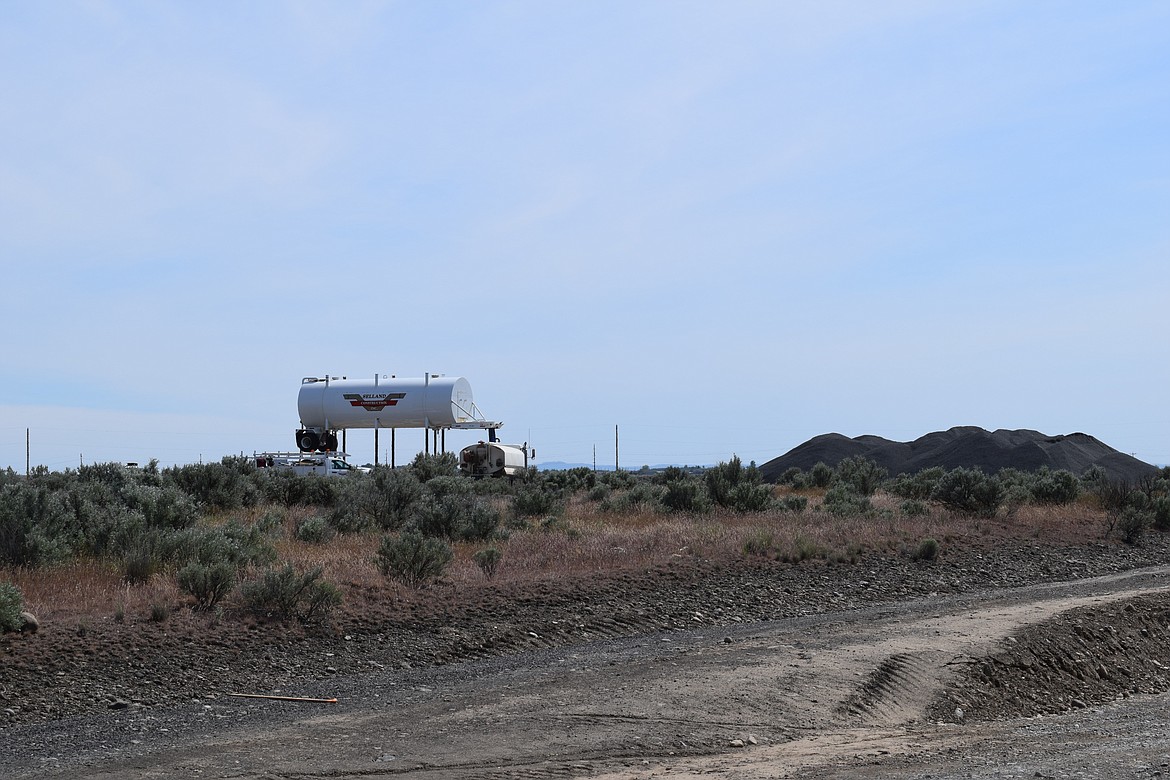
724	228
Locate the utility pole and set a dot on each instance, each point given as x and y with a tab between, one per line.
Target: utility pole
27	451
616	459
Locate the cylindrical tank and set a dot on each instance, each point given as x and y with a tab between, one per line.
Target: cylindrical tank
390	402
492	460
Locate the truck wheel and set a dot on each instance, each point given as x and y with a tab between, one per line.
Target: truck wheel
329	442
307	441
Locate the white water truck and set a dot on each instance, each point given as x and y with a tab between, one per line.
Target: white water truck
433	401
490	459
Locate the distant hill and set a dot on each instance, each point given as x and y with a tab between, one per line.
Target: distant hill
967	447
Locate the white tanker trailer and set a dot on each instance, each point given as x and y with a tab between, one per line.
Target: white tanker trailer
331	404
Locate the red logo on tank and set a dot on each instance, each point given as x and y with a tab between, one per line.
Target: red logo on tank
374	402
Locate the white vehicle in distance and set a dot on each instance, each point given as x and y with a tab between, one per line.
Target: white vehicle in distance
325	464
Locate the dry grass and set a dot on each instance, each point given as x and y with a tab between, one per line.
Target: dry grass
583	541
90	589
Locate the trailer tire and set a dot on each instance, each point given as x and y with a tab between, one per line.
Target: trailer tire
329	442
307	441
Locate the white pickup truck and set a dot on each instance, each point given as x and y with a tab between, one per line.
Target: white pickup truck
325	464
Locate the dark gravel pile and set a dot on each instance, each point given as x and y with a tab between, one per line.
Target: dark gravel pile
965	447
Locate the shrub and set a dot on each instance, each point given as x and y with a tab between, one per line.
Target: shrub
480	521
1114	495
599	493
114	476
820	476
803	549
1016	496
229	484
427	467
143	558
862	474
286	593
618	480
568	480
1151	485
413	559
315	530
969	491
1162	513
761	543
686	495
640	496
385	499
38	526
208	583
289	489
455	517
927	550
793	503
843	501
737	487
1055	487
793	477
1121	502
671	474
722	478
919	486
232	542
751	497
534	501
11	605
441	487
1132	523
488	561
161	507
914	508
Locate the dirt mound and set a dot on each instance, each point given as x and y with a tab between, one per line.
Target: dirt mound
965	447
1081	658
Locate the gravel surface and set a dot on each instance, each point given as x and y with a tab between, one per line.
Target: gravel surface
81	693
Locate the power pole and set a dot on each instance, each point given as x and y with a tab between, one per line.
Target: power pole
616	459
27	450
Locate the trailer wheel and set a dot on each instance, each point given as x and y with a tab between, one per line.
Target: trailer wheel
307	441
329	442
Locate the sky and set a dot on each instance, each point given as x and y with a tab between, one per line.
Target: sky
714	229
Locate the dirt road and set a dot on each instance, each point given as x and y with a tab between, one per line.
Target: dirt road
847	694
